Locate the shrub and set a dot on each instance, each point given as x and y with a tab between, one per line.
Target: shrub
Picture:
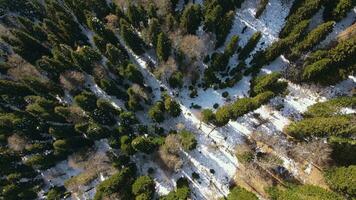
244	153
342	179
187	140
143	185
321	127
241	194
225	94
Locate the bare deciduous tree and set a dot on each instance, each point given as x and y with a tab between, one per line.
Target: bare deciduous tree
72	80
168	154
16	142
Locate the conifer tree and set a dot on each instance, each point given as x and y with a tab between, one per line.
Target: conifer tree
163	48
191	18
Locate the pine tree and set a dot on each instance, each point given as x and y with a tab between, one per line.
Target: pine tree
191	18
26	46
163	49
131	38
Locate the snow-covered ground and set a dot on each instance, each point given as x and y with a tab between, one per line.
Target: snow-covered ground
214	158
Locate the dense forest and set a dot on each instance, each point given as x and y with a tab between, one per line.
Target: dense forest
177	99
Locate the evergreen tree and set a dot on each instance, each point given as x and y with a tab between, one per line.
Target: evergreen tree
191	18
131	38
163	48
26	46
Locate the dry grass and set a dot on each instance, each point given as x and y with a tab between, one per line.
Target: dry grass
348	33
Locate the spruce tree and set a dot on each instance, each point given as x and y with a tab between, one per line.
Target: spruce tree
163	48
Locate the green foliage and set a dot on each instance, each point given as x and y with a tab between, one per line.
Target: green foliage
331	107
156	112
163	47
250	46
337	10
176	79
143	144
86	100
172	107
218	18
314	71
277	48
133	74
14	88
232	46
116	55
208	116
315	36
55	193
153	31
240	107
342	179
136	15
26	46
128	118
144	186
131	38
322	126
241	194
61	27
219	61
39	161
181	193
86	57
67	146
191	18
187	140
125	145
341	150
42	108
309	192
61	131
305	10
119	184
332	66
269	82
261	7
